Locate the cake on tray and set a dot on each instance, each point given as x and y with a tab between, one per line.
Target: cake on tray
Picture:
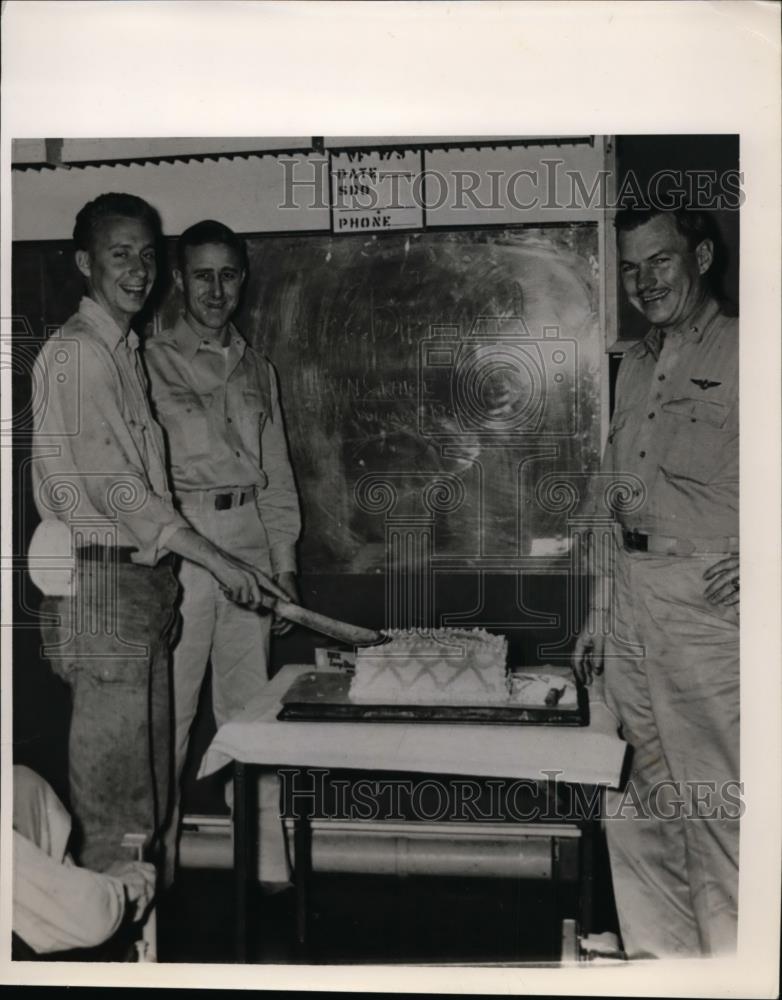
452	666
448	666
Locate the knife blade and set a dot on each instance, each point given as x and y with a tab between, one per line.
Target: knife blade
344	631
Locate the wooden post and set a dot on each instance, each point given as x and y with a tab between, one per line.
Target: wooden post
302	853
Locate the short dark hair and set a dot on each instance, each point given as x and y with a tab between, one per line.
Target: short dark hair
695	225
112	205
210	231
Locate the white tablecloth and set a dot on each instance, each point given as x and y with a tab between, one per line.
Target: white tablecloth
590	754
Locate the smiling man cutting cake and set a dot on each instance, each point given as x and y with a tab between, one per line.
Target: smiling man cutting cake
101	490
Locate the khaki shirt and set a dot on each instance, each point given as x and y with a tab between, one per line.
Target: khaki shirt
98	455
221	413
675	428
56	906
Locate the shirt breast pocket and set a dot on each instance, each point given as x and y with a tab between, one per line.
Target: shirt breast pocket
700	438
184	416
252	417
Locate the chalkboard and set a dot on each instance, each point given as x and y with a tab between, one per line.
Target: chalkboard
431	381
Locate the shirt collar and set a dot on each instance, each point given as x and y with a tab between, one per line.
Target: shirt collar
188	341
693	332
105	325
653	342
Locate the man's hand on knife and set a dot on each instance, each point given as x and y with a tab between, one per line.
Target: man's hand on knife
288	582
239	580
245	584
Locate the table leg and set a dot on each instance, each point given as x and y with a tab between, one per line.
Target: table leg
241	858
589	836
302	851
556	890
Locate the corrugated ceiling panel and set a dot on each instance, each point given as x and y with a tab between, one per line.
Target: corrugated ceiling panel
246	194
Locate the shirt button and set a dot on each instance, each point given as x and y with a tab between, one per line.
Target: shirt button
230	421
660	378
651	415
238	455
642	454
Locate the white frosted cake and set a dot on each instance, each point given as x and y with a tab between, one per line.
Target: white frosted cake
449	666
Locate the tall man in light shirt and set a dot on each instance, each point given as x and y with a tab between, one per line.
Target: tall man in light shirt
99	477
672	650
217	399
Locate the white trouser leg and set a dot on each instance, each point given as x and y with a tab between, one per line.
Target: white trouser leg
240	656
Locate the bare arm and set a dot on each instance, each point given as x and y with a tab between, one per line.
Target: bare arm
589	650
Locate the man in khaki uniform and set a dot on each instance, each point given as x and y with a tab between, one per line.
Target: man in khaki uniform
217	399
671	654
102	494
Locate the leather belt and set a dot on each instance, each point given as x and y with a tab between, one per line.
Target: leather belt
198	499
639	541
224	501
120	554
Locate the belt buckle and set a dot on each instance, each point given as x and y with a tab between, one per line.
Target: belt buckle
684	547
226	501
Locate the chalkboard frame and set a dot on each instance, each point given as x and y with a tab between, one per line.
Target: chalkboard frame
536	564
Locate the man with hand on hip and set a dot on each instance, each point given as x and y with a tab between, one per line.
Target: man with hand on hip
664	625
217	399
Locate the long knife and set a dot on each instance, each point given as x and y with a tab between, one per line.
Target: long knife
344	631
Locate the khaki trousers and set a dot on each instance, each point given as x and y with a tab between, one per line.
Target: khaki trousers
677	698
236	641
